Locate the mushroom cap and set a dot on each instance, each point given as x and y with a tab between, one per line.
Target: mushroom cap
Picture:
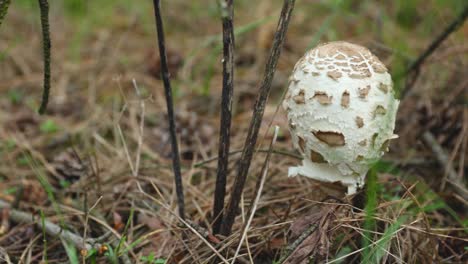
341	111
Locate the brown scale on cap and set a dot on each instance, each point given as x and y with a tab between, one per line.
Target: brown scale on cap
345	99
323	98
299	98
340	57
359	121
383	87
331	138
363	143
360	75
379	110
335	75
301	143
316	157
363	92
374	137
342	64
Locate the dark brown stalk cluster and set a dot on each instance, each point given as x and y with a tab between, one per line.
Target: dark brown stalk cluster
259	108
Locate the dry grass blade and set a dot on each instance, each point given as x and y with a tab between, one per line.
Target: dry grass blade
227	13
170	108
256	121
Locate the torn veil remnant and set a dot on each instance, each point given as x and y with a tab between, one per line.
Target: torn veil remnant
343	111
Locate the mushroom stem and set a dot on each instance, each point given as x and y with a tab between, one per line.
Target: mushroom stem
327	173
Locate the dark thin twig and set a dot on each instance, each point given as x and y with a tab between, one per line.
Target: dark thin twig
4	4
170	109
227	14
44	7
414	66
254	127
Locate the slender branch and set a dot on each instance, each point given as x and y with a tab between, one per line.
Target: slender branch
227	13
44	7
50	228
256	121
170	109
4	4
414	66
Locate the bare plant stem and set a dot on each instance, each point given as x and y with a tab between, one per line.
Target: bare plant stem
227	14
44	7
170	108
414	66
259	108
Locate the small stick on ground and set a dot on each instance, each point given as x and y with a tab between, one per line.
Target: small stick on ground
259	108
44	7
50	228
443	159
291	248
227	13
170	108
414	66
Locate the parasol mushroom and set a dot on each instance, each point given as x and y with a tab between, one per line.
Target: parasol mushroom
341	111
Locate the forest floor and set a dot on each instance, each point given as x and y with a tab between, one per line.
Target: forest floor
97	166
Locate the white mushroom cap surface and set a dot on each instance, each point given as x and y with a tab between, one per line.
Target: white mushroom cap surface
341	111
